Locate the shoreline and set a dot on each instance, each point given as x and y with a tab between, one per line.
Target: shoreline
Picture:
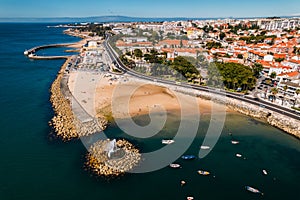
64	113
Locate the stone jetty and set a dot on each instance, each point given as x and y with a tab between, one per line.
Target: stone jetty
65	123
101	165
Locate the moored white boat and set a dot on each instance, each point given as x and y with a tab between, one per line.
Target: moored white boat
238	155
167	141
204	173
175	165
182	183
204	147
265	172
253	190
234	142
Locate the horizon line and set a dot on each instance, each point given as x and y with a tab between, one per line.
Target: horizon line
130	18
152	17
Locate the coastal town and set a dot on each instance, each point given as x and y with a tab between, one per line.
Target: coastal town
257	61
266	51
151	100
270	47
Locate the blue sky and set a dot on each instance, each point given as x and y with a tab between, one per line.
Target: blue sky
152	8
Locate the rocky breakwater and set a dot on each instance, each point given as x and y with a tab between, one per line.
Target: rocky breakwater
65	123
63	120
124	159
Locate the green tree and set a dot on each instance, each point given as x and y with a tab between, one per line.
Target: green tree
279	59
297	92
138	53
184	67
284	94
222	35
233	76
274	92
210	45
273	75
240	56
257	69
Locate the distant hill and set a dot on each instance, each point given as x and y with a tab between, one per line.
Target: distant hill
104	19
93	19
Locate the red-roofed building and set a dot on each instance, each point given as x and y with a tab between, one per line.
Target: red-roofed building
289	76
255	55
173	43
174	52
278	69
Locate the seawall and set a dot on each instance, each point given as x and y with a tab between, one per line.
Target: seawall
285	123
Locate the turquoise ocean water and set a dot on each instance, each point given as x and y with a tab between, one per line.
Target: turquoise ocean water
35	167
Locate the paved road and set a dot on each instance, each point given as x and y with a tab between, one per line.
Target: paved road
115	58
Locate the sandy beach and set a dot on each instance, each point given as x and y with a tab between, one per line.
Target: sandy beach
99	95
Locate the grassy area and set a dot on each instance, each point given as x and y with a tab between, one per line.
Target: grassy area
116	70
296	108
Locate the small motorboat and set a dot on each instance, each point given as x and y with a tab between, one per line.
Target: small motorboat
238	155
190	198
204	147
204	173
234	142
253	190
167	141
188	157
182	183
265	172
174	165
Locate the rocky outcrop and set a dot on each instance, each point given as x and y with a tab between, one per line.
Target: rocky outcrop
100	164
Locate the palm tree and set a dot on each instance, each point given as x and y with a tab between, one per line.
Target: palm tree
200	78
284	89
274	91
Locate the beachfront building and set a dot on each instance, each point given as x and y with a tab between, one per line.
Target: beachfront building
172	53
173	43
135	39
277	24
288	91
